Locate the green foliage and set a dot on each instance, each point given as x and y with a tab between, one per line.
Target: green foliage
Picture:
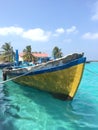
28	54
56	52
8	52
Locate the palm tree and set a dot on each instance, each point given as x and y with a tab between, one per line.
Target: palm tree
28	54
8	52
56	52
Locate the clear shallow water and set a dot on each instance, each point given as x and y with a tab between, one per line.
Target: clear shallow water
24	108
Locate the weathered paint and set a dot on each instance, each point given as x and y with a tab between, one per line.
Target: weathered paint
61	77
65	81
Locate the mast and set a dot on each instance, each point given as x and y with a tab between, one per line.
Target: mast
16	58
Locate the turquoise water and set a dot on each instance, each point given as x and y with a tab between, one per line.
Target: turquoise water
24	108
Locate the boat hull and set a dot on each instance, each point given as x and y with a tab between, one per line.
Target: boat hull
62	81
6	64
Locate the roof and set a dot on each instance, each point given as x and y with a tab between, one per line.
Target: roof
36	54
40	54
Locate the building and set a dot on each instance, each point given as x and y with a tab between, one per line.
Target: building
37	55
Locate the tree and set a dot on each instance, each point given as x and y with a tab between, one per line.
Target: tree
28	54
56	52
8	52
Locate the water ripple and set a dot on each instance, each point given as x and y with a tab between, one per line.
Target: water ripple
25	108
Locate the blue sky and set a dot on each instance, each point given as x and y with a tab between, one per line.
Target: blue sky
72	25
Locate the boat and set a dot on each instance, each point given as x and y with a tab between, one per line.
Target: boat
6	64
60	77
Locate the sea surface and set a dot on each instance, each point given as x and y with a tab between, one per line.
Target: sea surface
25	108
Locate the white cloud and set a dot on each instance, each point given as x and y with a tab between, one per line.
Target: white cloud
32	34
60	30
95	17
95	11
73	29
89	35
36	35
11	30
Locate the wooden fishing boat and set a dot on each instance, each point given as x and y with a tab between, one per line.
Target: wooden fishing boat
6	64
60	77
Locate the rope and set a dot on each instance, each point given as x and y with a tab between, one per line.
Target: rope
96	74
31	71
2	82
15	77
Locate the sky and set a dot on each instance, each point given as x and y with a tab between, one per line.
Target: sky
71	25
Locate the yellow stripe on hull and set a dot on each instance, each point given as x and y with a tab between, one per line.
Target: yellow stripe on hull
61	82
77	79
